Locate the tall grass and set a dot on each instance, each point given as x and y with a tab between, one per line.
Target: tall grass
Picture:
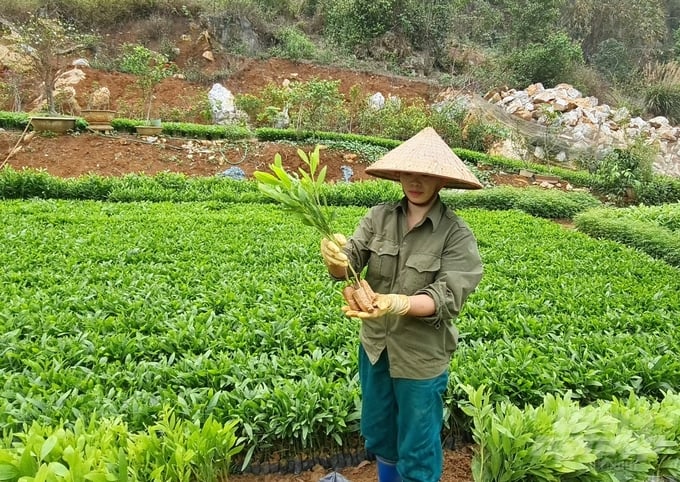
662	96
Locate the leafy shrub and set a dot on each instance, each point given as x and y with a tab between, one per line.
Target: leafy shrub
339	27
349	22
480	136
447	119
13	120
317	104
366	151
622	439
250	104
666	216
549	62
105	449
422	26
624	170
269	134
293	44
366	193
205	131
613	60
180	188
150	68
395	120
660	189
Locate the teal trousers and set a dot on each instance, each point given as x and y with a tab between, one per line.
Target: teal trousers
401	419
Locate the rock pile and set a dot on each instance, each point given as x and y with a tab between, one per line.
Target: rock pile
582	126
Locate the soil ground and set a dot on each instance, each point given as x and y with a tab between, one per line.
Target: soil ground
75	155
456	469
114	155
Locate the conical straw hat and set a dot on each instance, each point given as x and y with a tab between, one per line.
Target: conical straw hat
425	153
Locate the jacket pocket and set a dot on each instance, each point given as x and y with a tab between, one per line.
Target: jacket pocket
383	260
421	270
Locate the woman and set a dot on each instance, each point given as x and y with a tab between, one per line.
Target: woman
422	261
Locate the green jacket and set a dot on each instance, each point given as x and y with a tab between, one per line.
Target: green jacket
438	257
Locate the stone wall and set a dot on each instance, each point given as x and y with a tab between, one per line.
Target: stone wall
560	124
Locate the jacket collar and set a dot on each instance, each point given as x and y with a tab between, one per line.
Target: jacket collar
435	213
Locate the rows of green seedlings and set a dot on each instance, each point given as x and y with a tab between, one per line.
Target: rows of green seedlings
561	311
226	310
181	188
652	229
635	439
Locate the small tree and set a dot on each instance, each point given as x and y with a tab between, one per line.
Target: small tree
150	68
47	42
623	172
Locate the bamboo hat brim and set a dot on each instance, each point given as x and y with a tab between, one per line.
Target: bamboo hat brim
425	153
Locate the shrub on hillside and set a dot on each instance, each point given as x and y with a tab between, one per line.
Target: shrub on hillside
549	62
293	44
623	172
314	105
395	120
614	61
663	100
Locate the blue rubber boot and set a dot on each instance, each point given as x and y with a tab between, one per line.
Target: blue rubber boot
387	471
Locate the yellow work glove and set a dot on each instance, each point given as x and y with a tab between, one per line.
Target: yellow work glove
332	251
382	305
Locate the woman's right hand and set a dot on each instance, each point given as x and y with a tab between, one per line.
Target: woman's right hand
332	252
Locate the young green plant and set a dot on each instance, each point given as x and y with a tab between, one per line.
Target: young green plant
301	196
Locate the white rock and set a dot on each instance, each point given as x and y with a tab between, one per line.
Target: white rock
377	101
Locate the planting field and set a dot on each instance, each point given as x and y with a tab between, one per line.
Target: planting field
120	309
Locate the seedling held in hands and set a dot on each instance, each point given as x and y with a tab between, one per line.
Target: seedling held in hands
301	195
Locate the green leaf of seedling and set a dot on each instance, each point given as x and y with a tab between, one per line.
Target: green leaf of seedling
122	465
266	178
48	446
27	464
304	177
308	220
288	199
322	176
98	476
303	156
280	172
248	457
8	472
302	194
298	194
314	160
60	470
213	402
